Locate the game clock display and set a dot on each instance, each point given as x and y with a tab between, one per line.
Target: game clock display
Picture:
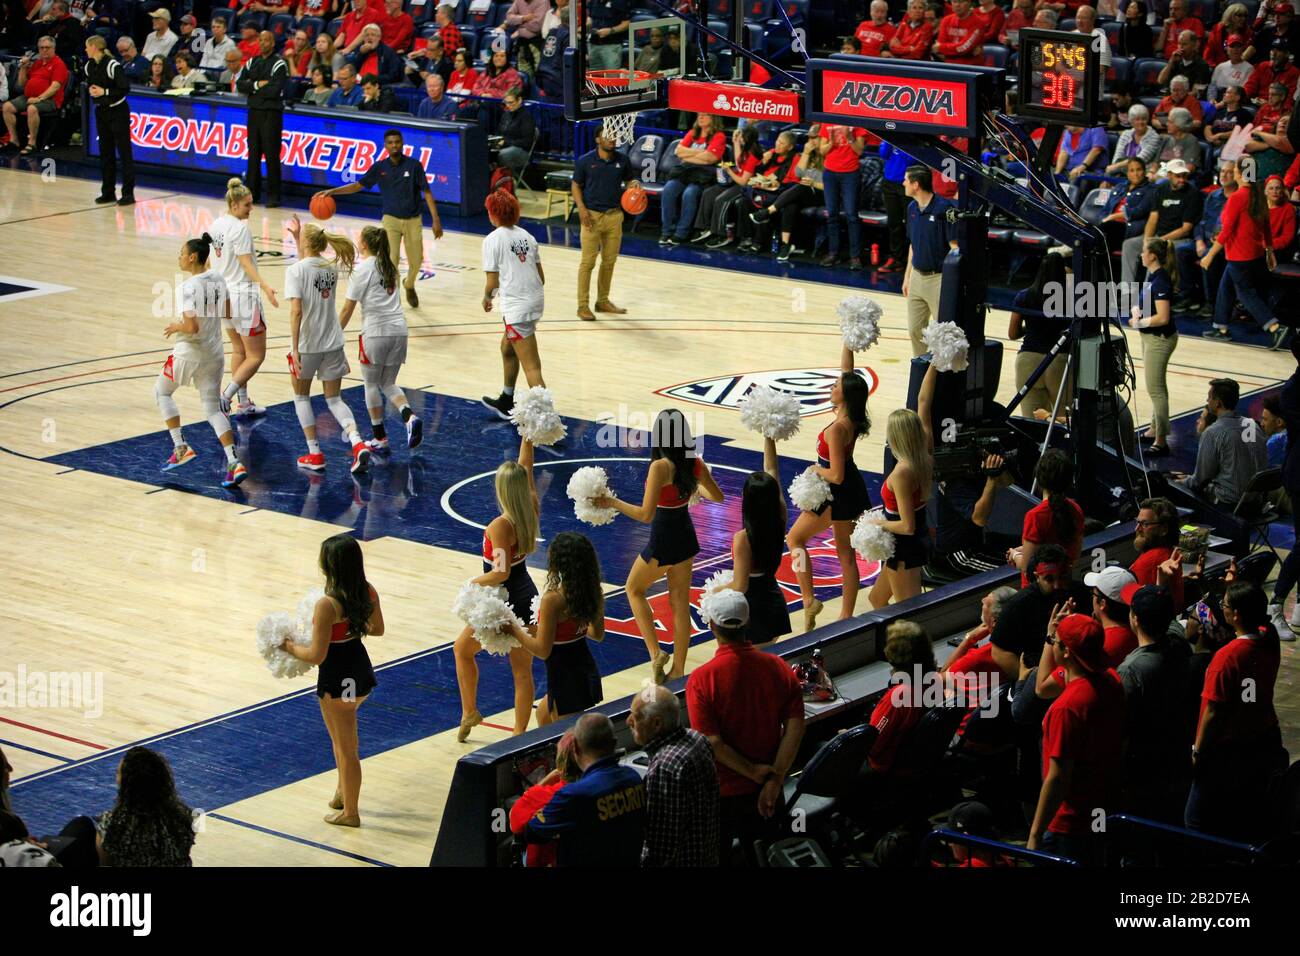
1059	80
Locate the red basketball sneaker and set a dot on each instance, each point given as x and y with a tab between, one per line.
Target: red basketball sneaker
314	462
360	458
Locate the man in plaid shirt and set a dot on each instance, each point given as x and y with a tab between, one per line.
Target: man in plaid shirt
681	784
448	32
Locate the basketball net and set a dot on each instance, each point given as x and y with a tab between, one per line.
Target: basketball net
619	127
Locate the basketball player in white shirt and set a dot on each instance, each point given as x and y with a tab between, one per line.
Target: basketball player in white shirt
381	347
233	259
514	273
311	286
198	357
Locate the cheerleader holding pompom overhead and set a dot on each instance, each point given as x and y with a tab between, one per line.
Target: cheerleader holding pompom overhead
507	542
675	474
381	347
849	497
348	611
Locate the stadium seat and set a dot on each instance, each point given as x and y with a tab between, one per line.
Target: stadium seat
281	24
1112	30
1206	11
488	42
796	10
1146	72
228	16
462	10
721	9
829	777
1150	102
665	164
481	18
421	11
1120	70
995	54
335	26
313	26
760	10
1066	25
1032	239
255	20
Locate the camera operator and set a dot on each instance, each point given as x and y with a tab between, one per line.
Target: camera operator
963	543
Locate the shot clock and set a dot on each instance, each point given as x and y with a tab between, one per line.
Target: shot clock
1059	80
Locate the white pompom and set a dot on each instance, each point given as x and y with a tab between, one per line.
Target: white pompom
773	414
860	322
870	540
485	610
274	628
534	415
307	610
809	491
533	608
588	483
948	346
716	583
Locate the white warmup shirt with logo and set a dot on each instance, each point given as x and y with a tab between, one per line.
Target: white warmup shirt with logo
381	308
205	295
315	282
513	255
230	240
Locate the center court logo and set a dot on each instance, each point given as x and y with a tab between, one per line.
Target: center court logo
811	386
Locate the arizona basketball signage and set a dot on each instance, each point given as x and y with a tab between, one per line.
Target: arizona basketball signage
734	100
812	386
906	98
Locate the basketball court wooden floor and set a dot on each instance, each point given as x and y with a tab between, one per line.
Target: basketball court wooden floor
150	589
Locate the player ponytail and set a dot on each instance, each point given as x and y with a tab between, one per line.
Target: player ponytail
315	239
1163	250
574	571
670	438
1053	475
515	499
236	192
856	390
345	580
200	248
376	241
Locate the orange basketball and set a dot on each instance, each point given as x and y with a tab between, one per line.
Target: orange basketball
634	200
322	207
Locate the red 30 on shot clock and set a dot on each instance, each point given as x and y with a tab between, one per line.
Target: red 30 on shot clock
1059	80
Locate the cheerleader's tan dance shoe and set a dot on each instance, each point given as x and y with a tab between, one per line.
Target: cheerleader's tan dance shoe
810	615
342	820
336	801
659	667
473	720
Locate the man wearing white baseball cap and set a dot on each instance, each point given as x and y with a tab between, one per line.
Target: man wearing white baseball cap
162	40
749	705
1112	611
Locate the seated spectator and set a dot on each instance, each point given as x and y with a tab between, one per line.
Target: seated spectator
229	78
1130	204
647	58
1199	286
1234	23
1179	143
1154	677
187	76
1272	110
1082	743
681	784
372	56
1274	426
747	154
1121	101
1174	211
1020	17
161	41
44	82
523	25
160	74
1278	69
214	51
362	14
1188	63
427	59
324	9
1282	217
1234	70
1046	19
592	830
536	797
517	131
1283	29
1155	539
1272	152
873	35
374	97
1225	460
498	77
787	182
1140	141
134	65
298	53
1135	38
1086	24
994	17
911	660
1238	742
448	32
1082	151
1058	519
1110	609
66	30
915	33
321	88
960	35
325	55
192	37
974	655
249	45
436	105
749	705
348	92
463	77
1180	97
1178	21
849	46
397	26
1230	112
1019	631
703	146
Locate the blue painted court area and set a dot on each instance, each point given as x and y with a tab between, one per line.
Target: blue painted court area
439	495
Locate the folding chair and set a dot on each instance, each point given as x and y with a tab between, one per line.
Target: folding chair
1255	510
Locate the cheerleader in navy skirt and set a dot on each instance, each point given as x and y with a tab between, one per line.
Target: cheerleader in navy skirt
348	611
849	497
756	551
676	472
507	542
571	612
909	435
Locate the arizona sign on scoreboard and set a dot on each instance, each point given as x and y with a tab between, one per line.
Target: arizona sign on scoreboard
319	148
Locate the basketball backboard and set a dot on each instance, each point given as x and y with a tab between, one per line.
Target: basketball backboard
619	60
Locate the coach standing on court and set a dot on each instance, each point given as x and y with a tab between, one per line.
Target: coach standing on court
108	86
931	236
262	82
402	183
598	180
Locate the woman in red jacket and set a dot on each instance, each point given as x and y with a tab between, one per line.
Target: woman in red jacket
1247	242
1235	22
1281	216
912	39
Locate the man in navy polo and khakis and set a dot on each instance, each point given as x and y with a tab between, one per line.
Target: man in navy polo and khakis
931	236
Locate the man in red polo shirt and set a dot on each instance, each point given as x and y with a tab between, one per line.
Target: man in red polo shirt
961	35
1155	539
1178	20
873	35
43	82
1082	745
913	35
354	21
750	706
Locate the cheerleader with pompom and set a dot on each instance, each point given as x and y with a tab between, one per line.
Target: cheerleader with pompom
569	613
849	496
909	436
348	611
507	542
756	551
675	474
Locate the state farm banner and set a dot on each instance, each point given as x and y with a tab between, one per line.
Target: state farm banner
318	147
732	99
907	97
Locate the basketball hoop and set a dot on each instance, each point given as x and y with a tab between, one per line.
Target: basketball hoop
619	126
